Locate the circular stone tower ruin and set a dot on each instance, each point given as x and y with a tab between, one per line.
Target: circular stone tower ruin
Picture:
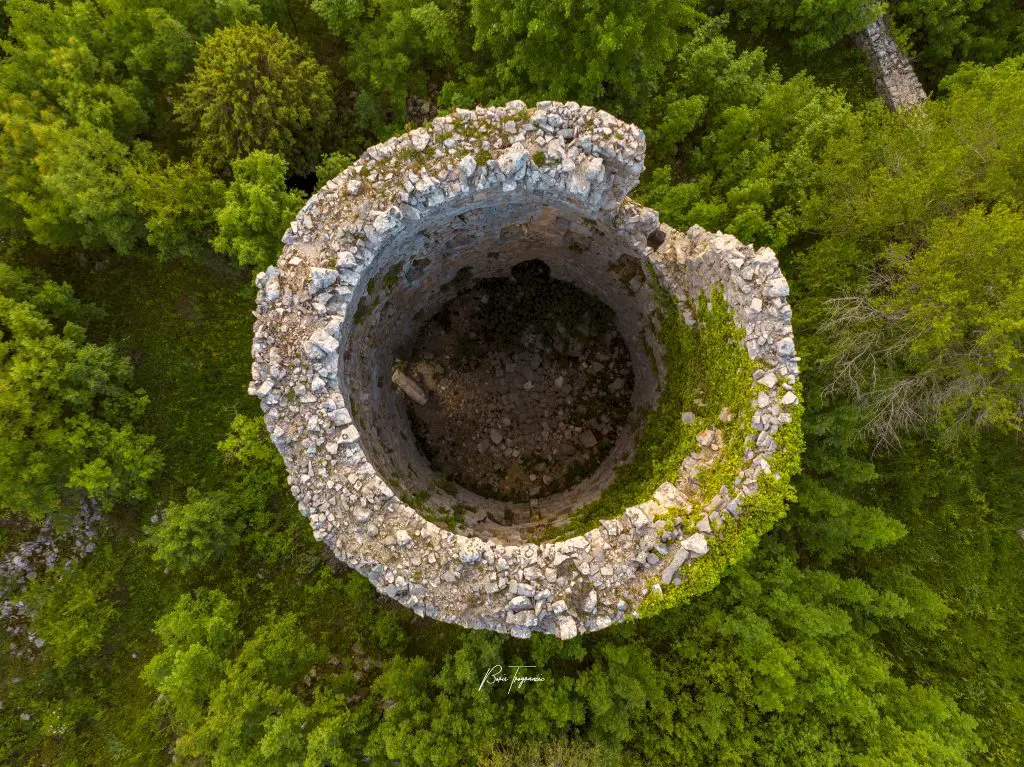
690	477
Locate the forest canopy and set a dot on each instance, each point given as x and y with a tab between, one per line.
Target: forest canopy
152	152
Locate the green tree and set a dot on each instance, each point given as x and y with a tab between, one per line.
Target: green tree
208	529
72	610
196	532
81	195
252	464
257	210
943	343
256	88
439	717
734	145
78	81
203	18
845	638
257	704
331	165
777	665
563	752
920	279
972	494
97	62
397	48
198	636
606	52
812	25
66	406
781	669
888	520
943	33
178	202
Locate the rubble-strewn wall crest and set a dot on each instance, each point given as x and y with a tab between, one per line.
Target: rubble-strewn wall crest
442	190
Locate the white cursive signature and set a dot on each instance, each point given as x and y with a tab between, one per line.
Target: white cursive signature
494	675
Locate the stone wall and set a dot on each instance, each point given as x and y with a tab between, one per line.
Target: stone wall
895	79
486	237
367	261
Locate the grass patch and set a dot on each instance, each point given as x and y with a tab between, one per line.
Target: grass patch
439	515
727	373
707	363
738	536
187	328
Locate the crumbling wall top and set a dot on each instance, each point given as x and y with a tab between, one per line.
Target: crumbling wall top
578	158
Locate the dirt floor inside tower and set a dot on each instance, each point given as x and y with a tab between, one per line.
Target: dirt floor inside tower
527	384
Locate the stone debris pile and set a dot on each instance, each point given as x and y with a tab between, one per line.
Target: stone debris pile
49	549
527	389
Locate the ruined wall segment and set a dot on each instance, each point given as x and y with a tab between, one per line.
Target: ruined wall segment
370	255
894	75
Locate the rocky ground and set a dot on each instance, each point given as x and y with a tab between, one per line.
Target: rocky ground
31	559
527	383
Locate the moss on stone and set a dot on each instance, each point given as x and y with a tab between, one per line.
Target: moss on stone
700	359
364	309
390	279
708	361
447	485
728	382
626	269
738	536
360	314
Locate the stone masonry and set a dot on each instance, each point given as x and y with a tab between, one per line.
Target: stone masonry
895	78
381	247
